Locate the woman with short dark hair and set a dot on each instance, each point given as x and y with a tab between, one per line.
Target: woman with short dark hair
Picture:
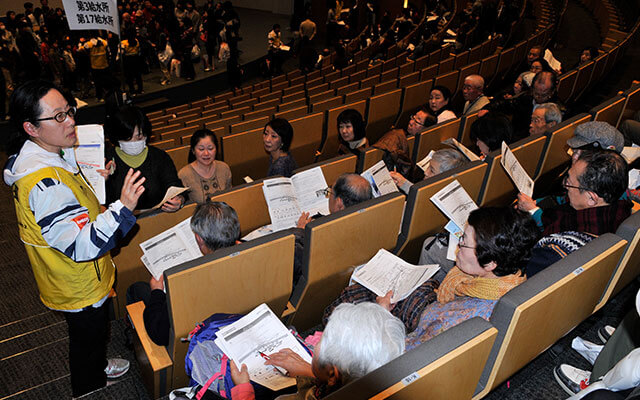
66	236
351	132
129	130
492	255
277	137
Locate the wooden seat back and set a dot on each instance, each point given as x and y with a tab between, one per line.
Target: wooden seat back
234	280
336	243
544	308
422	218
498	189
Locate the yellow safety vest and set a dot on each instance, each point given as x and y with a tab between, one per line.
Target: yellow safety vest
63	283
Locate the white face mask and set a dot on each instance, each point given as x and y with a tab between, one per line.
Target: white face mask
133	148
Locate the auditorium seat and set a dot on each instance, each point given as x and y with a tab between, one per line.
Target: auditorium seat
446	367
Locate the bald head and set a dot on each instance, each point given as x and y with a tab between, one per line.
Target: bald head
349	190
544	86
473	87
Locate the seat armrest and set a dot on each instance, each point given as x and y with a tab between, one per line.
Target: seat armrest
157	355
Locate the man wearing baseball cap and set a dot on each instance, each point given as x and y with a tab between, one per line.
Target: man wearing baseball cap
595	136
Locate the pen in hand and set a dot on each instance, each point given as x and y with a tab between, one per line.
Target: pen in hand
279	369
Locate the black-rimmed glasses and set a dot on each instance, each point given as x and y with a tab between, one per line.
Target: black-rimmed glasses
61	116
567	186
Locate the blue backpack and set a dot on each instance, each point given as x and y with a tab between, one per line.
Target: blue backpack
205	363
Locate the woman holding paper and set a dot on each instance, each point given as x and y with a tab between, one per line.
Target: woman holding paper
340	357
204	175
66	236
129	130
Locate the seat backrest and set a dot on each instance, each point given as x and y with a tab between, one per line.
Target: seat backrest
633	99
565	85
498	188
248	201
338	242
582	81
422	217
431	138
307	133
465	129
609	111
179	156
488	66
292	113
446	367
534	315
331	143
326	104
555	155
383	111
126	257
448	80
368	158
334	167
249	125
357	95
244	153
413	96
629	267
232	280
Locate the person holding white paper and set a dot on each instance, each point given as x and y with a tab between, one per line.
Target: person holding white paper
340	357
129	130
491	258
215	226
441	161
66	236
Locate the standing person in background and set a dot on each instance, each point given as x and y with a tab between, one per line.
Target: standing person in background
132	60
97	49
66	236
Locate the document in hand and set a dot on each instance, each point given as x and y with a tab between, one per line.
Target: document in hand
287	198
260	331
172	192
386	271
455	203
514	169
379	179
172	247
424	163
462	149
90	157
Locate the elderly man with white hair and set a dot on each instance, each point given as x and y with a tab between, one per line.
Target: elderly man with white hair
544	118
472	91
358	339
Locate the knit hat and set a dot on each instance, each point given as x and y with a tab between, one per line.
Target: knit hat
598	134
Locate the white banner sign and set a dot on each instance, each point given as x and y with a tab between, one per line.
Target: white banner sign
92	14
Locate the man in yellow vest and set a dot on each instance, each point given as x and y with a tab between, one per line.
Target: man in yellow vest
66	236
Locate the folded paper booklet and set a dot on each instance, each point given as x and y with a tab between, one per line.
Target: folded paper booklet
287	198
251	339
380	180
461	148
386	271
514	169
424	163
172	247
455	203
90	157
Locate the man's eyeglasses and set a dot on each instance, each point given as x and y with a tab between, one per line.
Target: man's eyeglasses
567	186
461	243
61	116
414	119
327	192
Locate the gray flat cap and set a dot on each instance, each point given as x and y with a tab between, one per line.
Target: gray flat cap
598	134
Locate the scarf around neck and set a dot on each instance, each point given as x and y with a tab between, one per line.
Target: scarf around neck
458	283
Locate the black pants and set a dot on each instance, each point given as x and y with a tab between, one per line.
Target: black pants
88	337
133	72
